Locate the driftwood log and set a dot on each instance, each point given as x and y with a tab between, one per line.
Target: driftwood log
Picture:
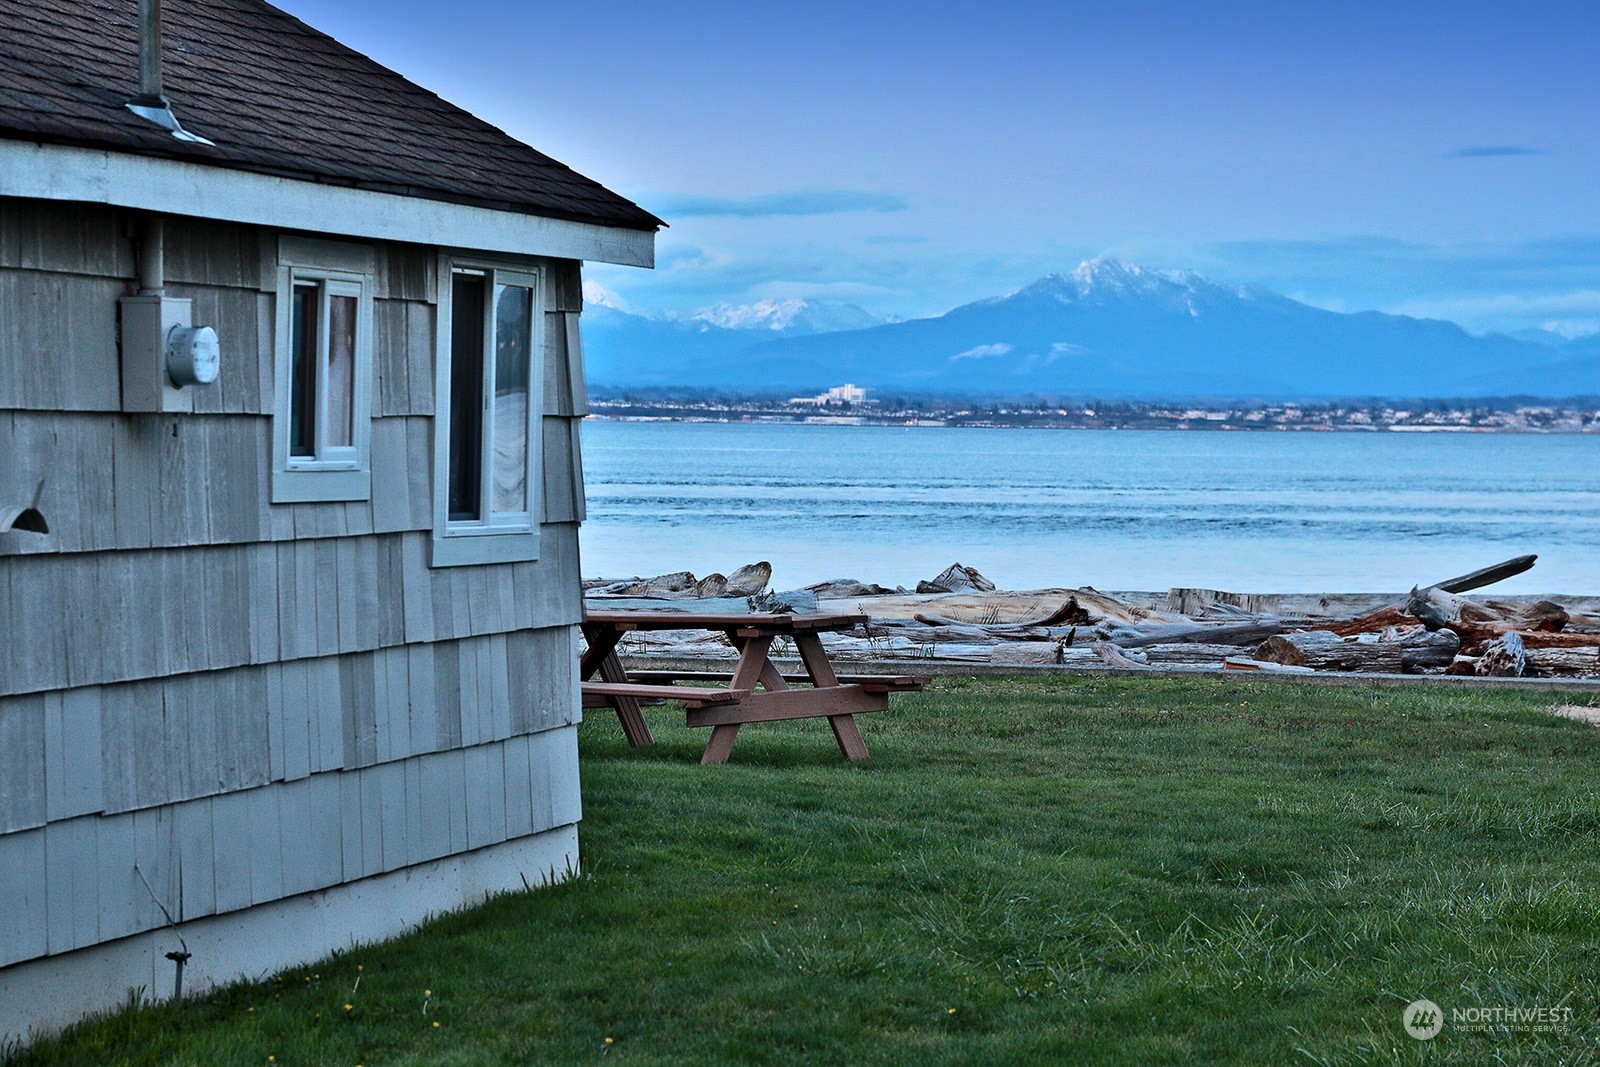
1045	652
1372	622
1537	662
1115	657
1487	575
1504	657
1481	626
1190	654
1250	633
1239	663
1437	606
749	580
1548	661
1325	650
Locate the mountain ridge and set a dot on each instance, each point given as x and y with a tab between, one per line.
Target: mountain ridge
1109	329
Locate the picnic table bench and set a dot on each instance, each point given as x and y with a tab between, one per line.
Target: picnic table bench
755	691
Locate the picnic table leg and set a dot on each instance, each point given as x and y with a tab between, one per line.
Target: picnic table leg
721	744
815	659
754	666
769	676
602	642
601	657
848	735
634	728
845	730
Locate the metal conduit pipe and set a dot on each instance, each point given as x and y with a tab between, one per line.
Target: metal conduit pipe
152	256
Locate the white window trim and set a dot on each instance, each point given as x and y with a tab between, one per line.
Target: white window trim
510	539
347	476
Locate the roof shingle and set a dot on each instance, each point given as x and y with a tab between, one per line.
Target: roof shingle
277	97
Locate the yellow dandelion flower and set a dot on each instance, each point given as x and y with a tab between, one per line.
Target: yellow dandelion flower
436	1024
348	1007
950	1011
427	992
608	1041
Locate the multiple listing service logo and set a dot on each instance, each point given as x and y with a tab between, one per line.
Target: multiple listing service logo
1423	1019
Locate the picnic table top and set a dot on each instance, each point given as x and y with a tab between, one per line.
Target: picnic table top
767	622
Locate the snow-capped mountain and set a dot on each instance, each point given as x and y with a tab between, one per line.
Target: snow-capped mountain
793	317
1111	329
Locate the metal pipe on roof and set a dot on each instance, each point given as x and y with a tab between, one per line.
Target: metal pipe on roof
150	54
151	104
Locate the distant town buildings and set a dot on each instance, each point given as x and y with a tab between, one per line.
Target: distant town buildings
838	396
848	404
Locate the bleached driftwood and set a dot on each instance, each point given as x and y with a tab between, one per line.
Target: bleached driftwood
749	580
839	588
1239	663
1115	657
711	585
955	578
1043	652
1504	657
1189	654
1555	661
1324	650
1483	576
1250	633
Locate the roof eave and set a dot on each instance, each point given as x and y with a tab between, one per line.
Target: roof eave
177	187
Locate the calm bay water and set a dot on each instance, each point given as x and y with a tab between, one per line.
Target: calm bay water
1252	512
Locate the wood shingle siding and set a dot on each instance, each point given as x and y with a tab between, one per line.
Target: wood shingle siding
217	702
234	687
212	607
230	851
124	747
229	272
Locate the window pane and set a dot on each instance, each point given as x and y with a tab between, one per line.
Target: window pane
513	349
466	396
341	370
303	363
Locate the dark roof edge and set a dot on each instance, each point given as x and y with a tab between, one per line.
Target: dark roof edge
647	222
45	170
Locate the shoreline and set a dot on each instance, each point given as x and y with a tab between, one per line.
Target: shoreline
959	618
1478	417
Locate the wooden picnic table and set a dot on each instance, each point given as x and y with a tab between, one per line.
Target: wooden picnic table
755	691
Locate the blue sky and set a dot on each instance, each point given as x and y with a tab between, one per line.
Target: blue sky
1428	159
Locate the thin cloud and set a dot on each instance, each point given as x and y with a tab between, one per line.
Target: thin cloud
1490	151
983	352
772	205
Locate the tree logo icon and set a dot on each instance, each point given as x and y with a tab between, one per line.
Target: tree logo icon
1423	1019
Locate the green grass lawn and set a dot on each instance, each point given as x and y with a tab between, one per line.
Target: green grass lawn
1050	870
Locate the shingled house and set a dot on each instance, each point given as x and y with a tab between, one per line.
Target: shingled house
290	384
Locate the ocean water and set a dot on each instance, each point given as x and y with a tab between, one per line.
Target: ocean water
1130	509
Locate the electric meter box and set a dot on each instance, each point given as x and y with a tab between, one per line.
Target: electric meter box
163	354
